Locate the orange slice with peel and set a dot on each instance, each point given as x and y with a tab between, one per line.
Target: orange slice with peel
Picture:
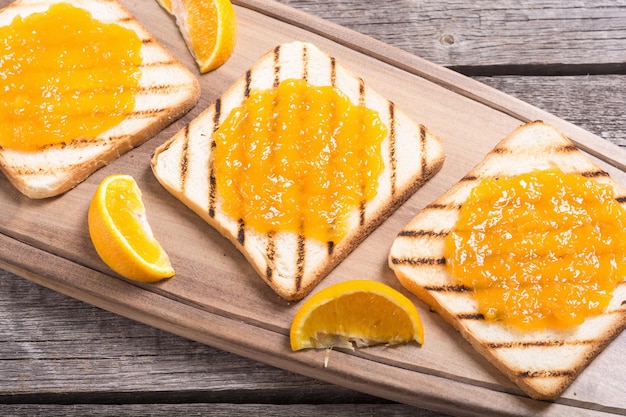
120	232
355	313
209	28
166	4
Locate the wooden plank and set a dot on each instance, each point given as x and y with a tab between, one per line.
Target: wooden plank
58	255
53	348
483	36
595	103
219	410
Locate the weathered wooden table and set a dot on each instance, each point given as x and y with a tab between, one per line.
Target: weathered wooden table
60	356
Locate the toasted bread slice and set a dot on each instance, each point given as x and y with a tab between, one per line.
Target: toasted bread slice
167	91
292	264
541	363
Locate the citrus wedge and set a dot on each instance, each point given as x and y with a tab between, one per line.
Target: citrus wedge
355	313
209	28
166	4
120	232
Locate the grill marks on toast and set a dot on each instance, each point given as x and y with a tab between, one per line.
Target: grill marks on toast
420	256
551	149
290	263
107	139
300	261
165	61
537	343
276	66
594	174
448	288
270	249
211	169
547	374
416	234
305	63
136	114
363	203
270	252
451	290
184	159
392	147
56	169
442	234
422	143
416	262
246	92
301	251
423	233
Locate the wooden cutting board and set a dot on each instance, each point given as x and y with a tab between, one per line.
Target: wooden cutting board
216	298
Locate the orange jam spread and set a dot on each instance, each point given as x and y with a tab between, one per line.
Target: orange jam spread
541	250
64	76
298	158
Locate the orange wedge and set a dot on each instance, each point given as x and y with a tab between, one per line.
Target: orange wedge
355	313
166	4
209	28
120	232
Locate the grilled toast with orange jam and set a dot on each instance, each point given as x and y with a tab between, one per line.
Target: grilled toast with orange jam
541	361
166	90
292	262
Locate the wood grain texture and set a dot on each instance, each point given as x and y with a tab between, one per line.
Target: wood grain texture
219	410
56	350
112	349
515	36
593	102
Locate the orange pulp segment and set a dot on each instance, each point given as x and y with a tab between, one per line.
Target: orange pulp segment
355	312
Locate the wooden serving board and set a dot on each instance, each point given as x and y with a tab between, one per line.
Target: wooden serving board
216	298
